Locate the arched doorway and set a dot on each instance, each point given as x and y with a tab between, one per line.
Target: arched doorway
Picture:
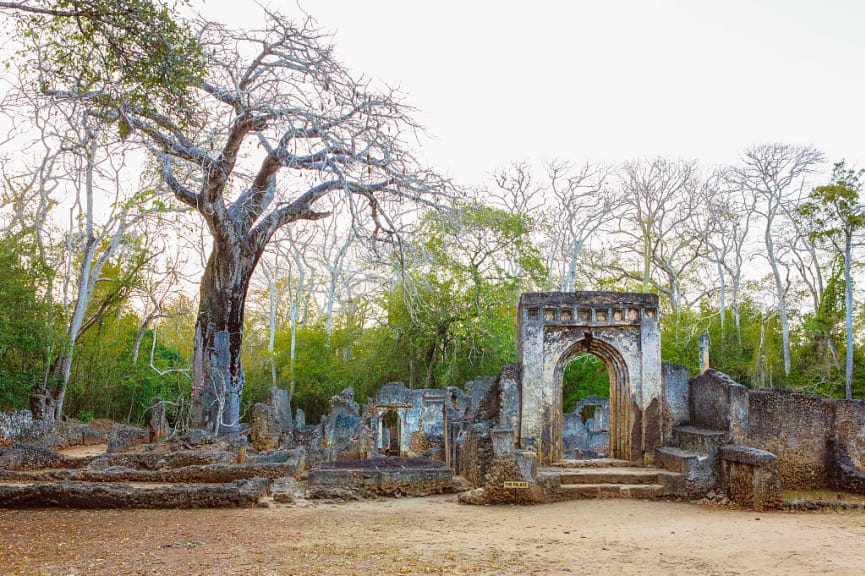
618	393
585	408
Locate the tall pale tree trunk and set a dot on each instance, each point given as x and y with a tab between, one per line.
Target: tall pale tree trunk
779	295
848	315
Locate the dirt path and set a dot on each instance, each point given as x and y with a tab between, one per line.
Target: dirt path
434	536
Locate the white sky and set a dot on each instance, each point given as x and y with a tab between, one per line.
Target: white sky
605	80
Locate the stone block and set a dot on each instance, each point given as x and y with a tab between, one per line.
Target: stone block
750	477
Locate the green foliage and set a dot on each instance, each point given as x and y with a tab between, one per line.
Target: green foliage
584	376
132	53
105	382
834	211
26	336
453	318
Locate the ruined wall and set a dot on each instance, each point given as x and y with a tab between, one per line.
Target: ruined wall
850	429
797	428
422	419
475	453
15	425
676	395
341	428
717	402
586	430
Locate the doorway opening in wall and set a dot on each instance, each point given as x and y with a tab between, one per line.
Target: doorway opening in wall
390	433
586	408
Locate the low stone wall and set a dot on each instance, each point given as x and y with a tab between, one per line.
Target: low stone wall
205	474
243	493
749	476
379	477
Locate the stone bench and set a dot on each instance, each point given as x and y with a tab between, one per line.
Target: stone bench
750	476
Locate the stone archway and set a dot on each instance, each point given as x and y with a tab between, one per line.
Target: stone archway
620	390
622	330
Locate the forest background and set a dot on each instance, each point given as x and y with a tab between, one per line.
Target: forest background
100	263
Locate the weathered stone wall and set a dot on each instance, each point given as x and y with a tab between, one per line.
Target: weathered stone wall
850	428
717	402
676	394
509	397
380	477
475	447
586	429
16	425
843	473
341	427
476	455
422	415
242	493
797	428
750	477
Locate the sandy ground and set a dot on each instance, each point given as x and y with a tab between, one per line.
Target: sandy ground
434	536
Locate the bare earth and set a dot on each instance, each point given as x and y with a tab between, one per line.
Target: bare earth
434	536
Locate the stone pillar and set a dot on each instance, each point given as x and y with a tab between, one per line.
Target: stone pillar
649	392
157	423
704	353
533	386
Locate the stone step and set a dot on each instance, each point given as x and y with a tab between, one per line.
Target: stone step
611	475
628	476
700	440
613	491
593	463
678	459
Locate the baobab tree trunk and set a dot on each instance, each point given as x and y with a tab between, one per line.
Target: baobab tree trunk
217	374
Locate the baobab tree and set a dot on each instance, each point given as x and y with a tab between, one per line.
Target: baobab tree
279	98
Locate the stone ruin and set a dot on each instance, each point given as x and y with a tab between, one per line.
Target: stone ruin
660	434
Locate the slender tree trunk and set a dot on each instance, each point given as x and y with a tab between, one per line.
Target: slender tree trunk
722	299
272	309
217	374
647	261
779	294
848	316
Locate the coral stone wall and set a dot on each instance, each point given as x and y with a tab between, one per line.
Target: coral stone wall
797	428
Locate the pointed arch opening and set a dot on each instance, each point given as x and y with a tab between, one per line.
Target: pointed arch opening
619	401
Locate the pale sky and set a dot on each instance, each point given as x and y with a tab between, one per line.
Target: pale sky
604	80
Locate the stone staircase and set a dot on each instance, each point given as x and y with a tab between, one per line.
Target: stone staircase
693	453
608	478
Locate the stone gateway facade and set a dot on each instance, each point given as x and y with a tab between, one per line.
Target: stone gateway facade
619	328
